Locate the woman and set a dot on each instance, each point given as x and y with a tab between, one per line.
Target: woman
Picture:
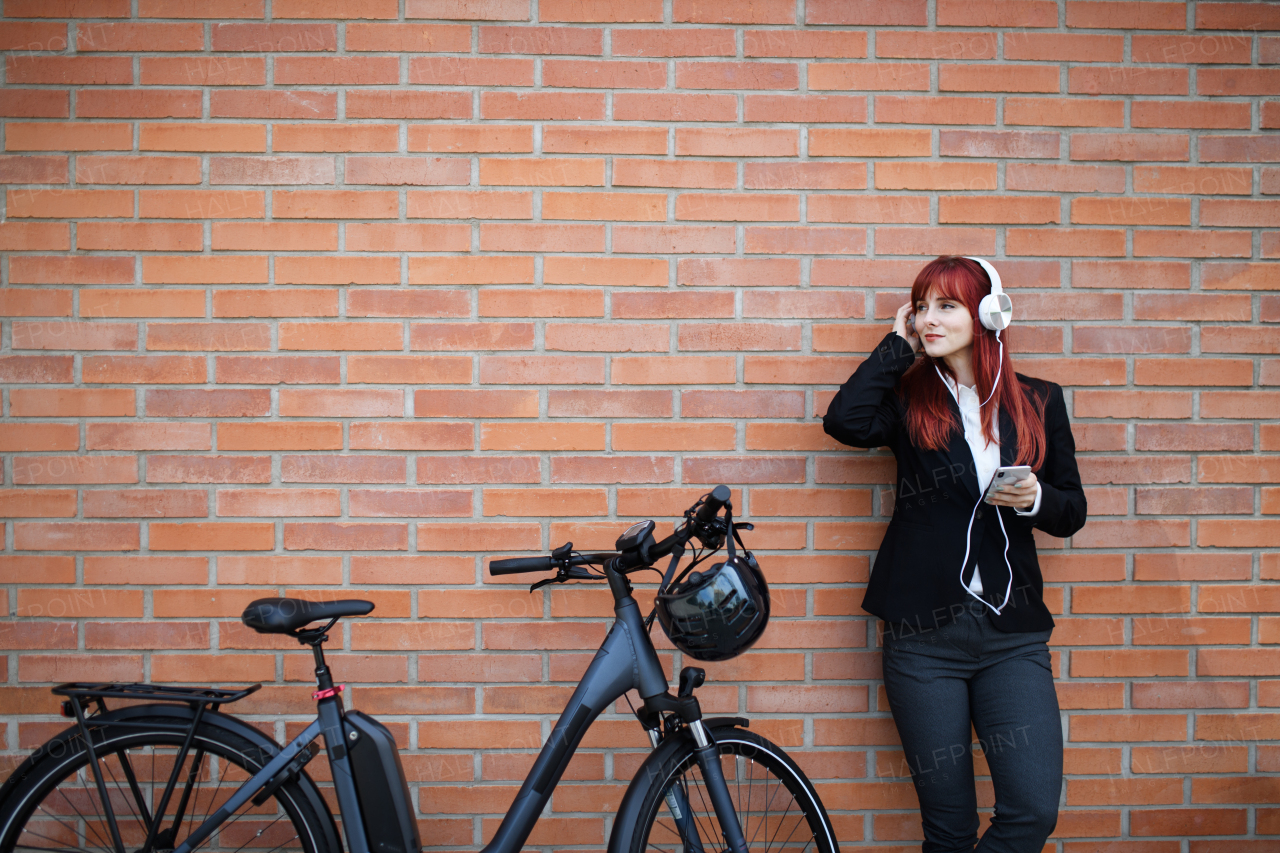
956	580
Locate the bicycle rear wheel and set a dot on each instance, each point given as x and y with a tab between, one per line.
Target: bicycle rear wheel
56	804
778	808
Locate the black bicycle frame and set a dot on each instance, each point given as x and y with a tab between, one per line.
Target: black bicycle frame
625	661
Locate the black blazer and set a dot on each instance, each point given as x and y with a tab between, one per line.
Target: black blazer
916	582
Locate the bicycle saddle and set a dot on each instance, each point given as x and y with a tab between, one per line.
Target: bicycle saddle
286	615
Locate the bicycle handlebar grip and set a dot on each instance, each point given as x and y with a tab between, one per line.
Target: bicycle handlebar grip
710	508
516	565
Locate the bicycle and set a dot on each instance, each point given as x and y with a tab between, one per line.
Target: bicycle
120	780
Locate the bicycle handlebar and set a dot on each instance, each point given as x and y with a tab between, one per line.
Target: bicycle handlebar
706	512
516	565
713	503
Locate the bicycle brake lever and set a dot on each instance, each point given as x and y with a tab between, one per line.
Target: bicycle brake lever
570	573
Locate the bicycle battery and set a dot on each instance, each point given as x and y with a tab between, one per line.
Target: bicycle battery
389	820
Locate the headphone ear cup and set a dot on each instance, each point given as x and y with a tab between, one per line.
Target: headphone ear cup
995	311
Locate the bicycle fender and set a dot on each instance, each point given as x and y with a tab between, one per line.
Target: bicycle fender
180	715
624	822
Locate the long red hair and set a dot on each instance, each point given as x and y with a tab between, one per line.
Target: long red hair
930	420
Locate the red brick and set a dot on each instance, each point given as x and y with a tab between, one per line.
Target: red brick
413	503
736	142
1183	114
551	106
468	337
1063	112
140	236
672	42
27	169
867	12
30	302
28	236
1045	241
634	306
71	402
707	12
832	176
223	536
152	436
411	436
69	70
542	304
146	503
617	272
37	503
338	138
207	469
997	13
278	104
1239	149
666	437
553	172
1192	244
984	209
41	470
840	45
1064	47
737	207
274	370
337	70
547	437
806	240
341	469
275	303
615	404
613	469
279	436
409	369
37	369
476	404
676	239
208	403
62	204
471	271
1137	211
53	269
667	173
456	470
75	536
35	103
606	337
341	336
544	502
1127	80
672	370
468	205
1119	14
635	207
542	238
202	71
408	170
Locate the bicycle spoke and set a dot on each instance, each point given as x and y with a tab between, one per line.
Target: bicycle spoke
88	825
259	835
144	823
278	846
781	823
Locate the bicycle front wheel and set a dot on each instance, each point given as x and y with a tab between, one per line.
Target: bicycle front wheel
777	805
57	804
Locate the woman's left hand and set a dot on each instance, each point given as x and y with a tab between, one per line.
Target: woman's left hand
1021	495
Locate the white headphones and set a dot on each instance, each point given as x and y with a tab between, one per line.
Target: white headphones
995	311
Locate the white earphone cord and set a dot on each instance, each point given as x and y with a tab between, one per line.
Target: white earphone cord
968	535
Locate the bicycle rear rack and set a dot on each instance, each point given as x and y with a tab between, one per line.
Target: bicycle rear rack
152	692
83	693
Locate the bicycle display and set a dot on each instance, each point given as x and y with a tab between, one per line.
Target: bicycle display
177	773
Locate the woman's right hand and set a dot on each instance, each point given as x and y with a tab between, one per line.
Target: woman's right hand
903	324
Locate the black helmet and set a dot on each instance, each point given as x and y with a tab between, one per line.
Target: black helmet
717	614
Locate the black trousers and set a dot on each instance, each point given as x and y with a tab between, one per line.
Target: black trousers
940	681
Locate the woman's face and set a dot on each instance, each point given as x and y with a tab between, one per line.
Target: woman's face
944	325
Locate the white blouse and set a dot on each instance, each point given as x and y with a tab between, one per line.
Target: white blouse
986	455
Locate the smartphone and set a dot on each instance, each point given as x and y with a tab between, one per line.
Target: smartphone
1006	476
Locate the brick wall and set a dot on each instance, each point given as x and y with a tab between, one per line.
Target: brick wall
341	297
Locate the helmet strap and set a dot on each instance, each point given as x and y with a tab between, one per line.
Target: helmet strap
728	520
669	576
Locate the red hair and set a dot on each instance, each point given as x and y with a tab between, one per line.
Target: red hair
930	420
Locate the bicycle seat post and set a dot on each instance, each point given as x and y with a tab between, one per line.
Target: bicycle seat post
324	678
